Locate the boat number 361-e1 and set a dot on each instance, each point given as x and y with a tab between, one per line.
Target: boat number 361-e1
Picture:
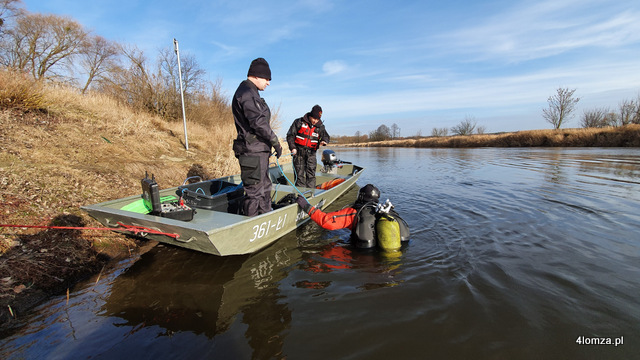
262	230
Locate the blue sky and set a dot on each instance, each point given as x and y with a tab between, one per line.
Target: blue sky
419	64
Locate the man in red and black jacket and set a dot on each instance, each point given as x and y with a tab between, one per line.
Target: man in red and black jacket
255	138
305	136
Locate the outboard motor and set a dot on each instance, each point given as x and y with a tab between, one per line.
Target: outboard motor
329	158
329	161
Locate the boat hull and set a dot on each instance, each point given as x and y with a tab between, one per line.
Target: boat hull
223	233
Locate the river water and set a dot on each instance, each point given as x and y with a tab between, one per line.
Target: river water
514	254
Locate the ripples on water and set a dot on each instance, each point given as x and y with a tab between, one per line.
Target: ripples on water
515	253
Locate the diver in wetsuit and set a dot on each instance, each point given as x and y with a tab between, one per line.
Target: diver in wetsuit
366	219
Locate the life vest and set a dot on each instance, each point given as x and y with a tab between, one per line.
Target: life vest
372	229
329	184
307	136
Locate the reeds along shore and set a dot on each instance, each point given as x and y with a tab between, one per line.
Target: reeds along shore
624	136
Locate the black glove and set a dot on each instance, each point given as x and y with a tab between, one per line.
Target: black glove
278	148
304	204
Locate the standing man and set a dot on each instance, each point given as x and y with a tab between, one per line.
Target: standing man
255	138
305	136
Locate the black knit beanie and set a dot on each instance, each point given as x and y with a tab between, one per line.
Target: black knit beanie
316	112
260	68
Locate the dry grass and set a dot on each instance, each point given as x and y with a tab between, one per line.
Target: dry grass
60	150
625	136
18	90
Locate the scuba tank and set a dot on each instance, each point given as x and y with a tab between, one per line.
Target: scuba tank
388	228
388	233
365	230
379	225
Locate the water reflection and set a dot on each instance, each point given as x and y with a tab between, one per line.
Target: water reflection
184	291
340	256
176	290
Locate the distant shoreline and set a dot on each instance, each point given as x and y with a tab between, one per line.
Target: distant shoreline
624	136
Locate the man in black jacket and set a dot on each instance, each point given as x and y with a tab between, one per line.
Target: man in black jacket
255	138
305	136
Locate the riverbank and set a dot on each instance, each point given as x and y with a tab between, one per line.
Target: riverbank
624	136
60	150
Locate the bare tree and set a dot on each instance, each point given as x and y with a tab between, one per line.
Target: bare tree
466	127
9	9
192	74
206	103
395	131
97	58
41	44
595	118
611	119
627	111
636	116
130	81
561	106
192	81
439	132
156	87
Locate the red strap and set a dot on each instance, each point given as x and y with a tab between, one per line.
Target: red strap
134	229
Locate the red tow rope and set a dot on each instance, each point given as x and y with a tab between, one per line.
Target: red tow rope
134	229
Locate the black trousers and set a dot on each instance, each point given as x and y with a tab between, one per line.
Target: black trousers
304	163
254	172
